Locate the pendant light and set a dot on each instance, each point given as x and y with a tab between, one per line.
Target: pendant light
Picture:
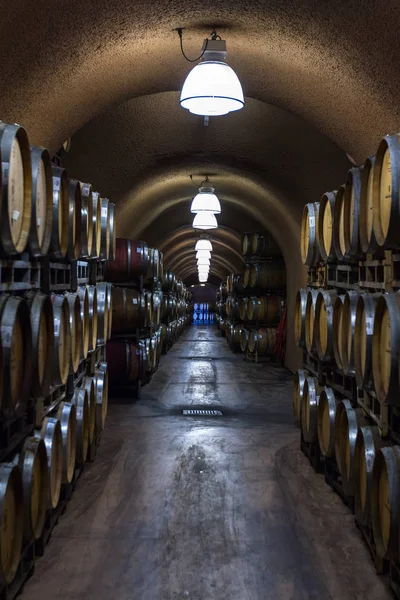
212	87
203	261
204	270
203	254
203	244
206	200
205	220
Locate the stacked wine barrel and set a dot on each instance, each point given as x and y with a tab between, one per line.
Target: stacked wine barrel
346	395
255	298
56	235
149	312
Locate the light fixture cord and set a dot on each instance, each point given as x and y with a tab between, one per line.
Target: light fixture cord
214	36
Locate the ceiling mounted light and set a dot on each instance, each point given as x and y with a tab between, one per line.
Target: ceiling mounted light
212	87
203	270
203	254
203	261
206	199
203	279
203	244
205	220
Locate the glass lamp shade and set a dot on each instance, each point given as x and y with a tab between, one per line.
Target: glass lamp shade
205	220
203	245
203	254
206	200
203	261
212	88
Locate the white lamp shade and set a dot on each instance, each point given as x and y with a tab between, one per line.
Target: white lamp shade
205	220
204	271
203	278
212	88
203	245
203	261
203	254
206	200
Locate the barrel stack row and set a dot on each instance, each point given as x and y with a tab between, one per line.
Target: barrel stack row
251	303
347	395
138	336
53	374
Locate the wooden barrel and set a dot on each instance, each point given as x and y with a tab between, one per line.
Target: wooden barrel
132	259
156	308
262	340
348	329
16	341
42	319
266	276
367	235
11	521
385	502
42	202
103	307
113	231
105	236
341	407
88	383
324	324
32	462
101	381
349	423
368	442
92	296
168	283
339	240
325	226
75	328
110	309
337	327
81	402
130	310
86	220
246	276
84	307
244	339
236	336
74	219
60	221
66	414
300	318
16	189
385	348
229	284
363	339
153	342
96	225
263	244
62	339
52	437
298	390
243	308
266	309
351	209
246	244
309	247
312	295
309	406
326	413
386	192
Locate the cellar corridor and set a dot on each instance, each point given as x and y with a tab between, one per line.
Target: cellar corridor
196	507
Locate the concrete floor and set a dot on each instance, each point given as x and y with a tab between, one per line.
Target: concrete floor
205	508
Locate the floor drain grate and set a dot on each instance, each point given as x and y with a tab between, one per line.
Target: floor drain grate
202	412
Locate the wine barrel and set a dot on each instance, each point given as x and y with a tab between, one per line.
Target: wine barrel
113	232
268	276
88	383
351	211
348	329
386	192
246	244
168	282
229	284
265	310
149	348
309	247
66	414
132	259
325	226
16	189
145	355
60	222
236	336
52	437
84	308
237	283
105	235
262	340
86	220
62	339
341	407
385	348
385	502
11	520
16	341
243	308
326	413
246	276
42	202
81	401
75	328
103	308
368	442
42	319
101	382
92	296
350	421
74	220
244	339
324	324
130	310
309	406
300	318
156	308
363	339
263	244
367	235
339	241
32	462
153	342
312	295
110	309
298	390
96	225
337	327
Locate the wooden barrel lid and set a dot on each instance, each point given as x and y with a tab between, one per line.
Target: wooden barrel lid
11	527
